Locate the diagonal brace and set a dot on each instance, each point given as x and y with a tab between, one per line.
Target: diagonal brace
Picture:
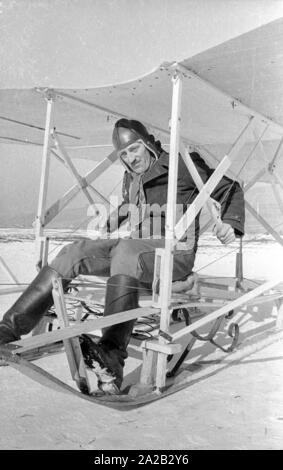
63	153
59	205
191	213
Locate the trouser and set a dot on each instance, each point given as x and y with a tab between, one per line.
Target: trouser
131	257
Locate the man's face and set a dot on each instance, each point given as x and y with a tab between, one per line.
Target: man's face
136	156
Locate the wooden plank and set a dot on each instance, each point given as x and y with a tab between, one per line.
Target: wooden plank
148	364
211	183
211	204
191	213
12	290
85	327
210	157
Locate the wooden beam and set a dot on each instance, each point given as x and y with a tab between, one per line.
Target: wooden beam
211	204
72	345
191	213
211	183
43	188
71	331
167	258
208	155
12	290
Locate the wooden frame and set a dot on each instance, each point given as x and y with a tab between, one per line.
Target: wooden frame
154	352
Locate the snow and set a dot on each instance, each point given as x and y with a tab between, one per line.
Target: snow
238	406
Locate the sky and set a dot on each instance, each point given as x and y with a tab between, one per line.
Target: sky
83	43
88	43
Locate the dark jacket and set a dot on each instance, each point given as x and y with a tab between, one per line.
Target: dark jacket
155	183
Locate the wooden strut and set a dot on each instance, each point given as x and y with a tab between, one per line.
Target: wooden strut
72	345
213	206
39	224
271	166
61	203
260	219
64	154
164	258
45	216
167	259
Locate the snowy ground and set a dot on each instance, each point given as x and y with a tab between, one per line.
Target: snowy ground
237	405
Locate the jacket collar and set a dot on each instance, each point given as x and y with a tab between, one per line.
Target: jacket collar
160	167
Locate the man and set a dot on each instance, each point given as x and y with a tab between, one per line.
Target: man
130	261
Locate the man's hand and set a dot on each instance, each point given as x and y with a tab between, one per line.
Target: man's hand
97	227
225	233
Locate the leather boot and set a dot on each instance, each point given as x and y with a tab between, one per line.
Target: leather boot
30	307
107	357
